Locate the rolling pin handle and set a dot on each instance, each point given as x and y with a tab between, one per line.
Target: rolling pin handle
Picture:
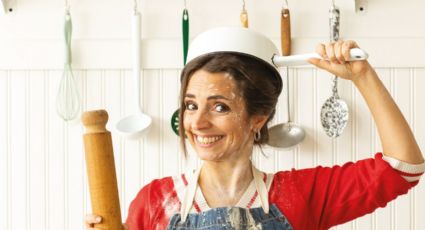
95	121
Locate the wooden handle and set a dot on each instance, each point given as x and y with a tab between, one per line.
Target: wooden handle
285	30
244	18
101	170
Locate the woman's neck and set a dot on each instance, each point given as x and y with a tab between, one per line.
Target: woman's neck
223	183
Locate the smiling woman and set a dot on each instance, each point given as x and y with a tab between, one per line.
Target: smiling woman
227	99
250	87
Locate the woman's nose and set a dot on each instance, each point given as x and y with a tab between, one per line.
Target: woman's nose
200	120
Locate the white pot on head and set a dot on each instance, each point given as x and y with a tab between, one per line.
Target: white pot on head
249	42
234	40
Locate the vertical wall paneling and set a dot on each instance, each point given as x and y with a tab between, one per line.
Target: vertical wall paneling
75	166
4	151
402	80
171	155
324	143
285	157
18	148
303	114
36	162
383	215
363	142
419	131
42	165
111	101
132	155
315	117
412	195
151	98
295	112
393	205
84	89
56	152
120	147
342	152
161	123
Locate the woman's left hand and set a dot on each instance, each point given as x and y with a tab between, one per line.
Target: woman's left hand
334	60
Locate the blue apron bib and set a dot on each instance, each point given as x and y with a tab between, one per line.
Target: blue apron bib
265	217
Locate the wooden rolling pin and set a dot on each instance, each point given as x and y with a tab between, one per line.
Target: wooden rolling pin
101	170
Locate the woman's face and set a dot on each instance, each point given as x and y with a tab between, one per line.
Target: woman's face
215	120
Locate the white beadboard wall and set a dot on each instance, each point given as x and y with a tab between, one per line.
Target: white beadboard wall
43	182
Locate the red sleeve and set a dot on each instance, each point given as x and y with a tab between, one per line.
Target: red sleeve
153	206
331	196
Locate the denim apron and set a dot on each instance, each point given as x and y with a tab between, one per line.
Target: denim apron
265	217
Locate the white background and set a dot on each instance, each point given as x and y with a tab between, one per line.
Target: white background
43	183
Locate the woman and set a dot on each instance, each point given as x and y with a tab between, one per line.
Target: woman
227	100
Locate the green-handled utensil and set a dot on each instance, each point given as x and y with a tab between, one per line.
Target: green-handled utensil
185	33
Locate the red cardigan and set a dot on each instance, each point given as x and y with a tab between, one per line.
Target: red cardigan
315	198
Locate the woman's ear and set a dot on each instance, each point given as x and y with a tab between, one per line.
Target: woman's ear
258	121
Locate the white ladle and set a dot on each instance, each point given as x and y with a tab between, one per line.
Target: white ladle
134	126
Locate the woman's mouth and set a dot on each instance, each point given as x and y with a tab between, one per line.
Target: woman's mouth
207	140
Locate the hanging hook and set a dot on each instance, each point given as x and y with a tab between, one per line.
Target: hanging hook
244	15
67	6
135	7
333	3
285	4
185	6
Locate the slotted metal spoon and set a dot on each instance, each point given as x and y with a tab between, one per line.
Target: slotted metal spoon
334	113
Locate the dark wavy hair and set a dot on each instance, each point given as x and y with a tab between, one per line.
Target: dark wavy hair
259	83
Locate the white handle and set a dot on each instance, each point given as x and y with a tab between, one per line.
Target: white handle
136	58
356	54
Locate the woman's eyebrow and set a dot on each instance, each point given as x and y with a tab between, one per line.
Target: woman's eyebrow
212	97
215	97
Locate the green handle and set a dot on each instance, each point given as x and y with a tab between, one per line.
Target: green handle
185	25
68	35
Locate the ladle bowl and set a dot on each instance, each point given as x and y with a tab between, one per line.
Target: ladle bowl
134	126
285	135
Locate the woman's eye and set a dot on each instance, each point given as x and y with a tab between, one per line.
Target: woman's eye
222	108
191	106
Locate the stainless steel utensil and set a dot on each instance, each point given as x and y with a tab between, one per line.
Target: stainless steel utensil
289	134
334	113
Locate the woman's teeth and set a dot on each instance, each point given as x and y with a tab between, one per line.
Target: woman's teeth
208	140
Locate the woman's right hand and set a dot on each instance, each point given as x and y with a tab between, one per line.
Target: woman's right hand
334	56
92	219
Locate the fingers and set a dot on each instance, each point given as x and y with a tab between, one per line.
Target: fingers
330	52
320	63
345	48
336	52
321	50
90	220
